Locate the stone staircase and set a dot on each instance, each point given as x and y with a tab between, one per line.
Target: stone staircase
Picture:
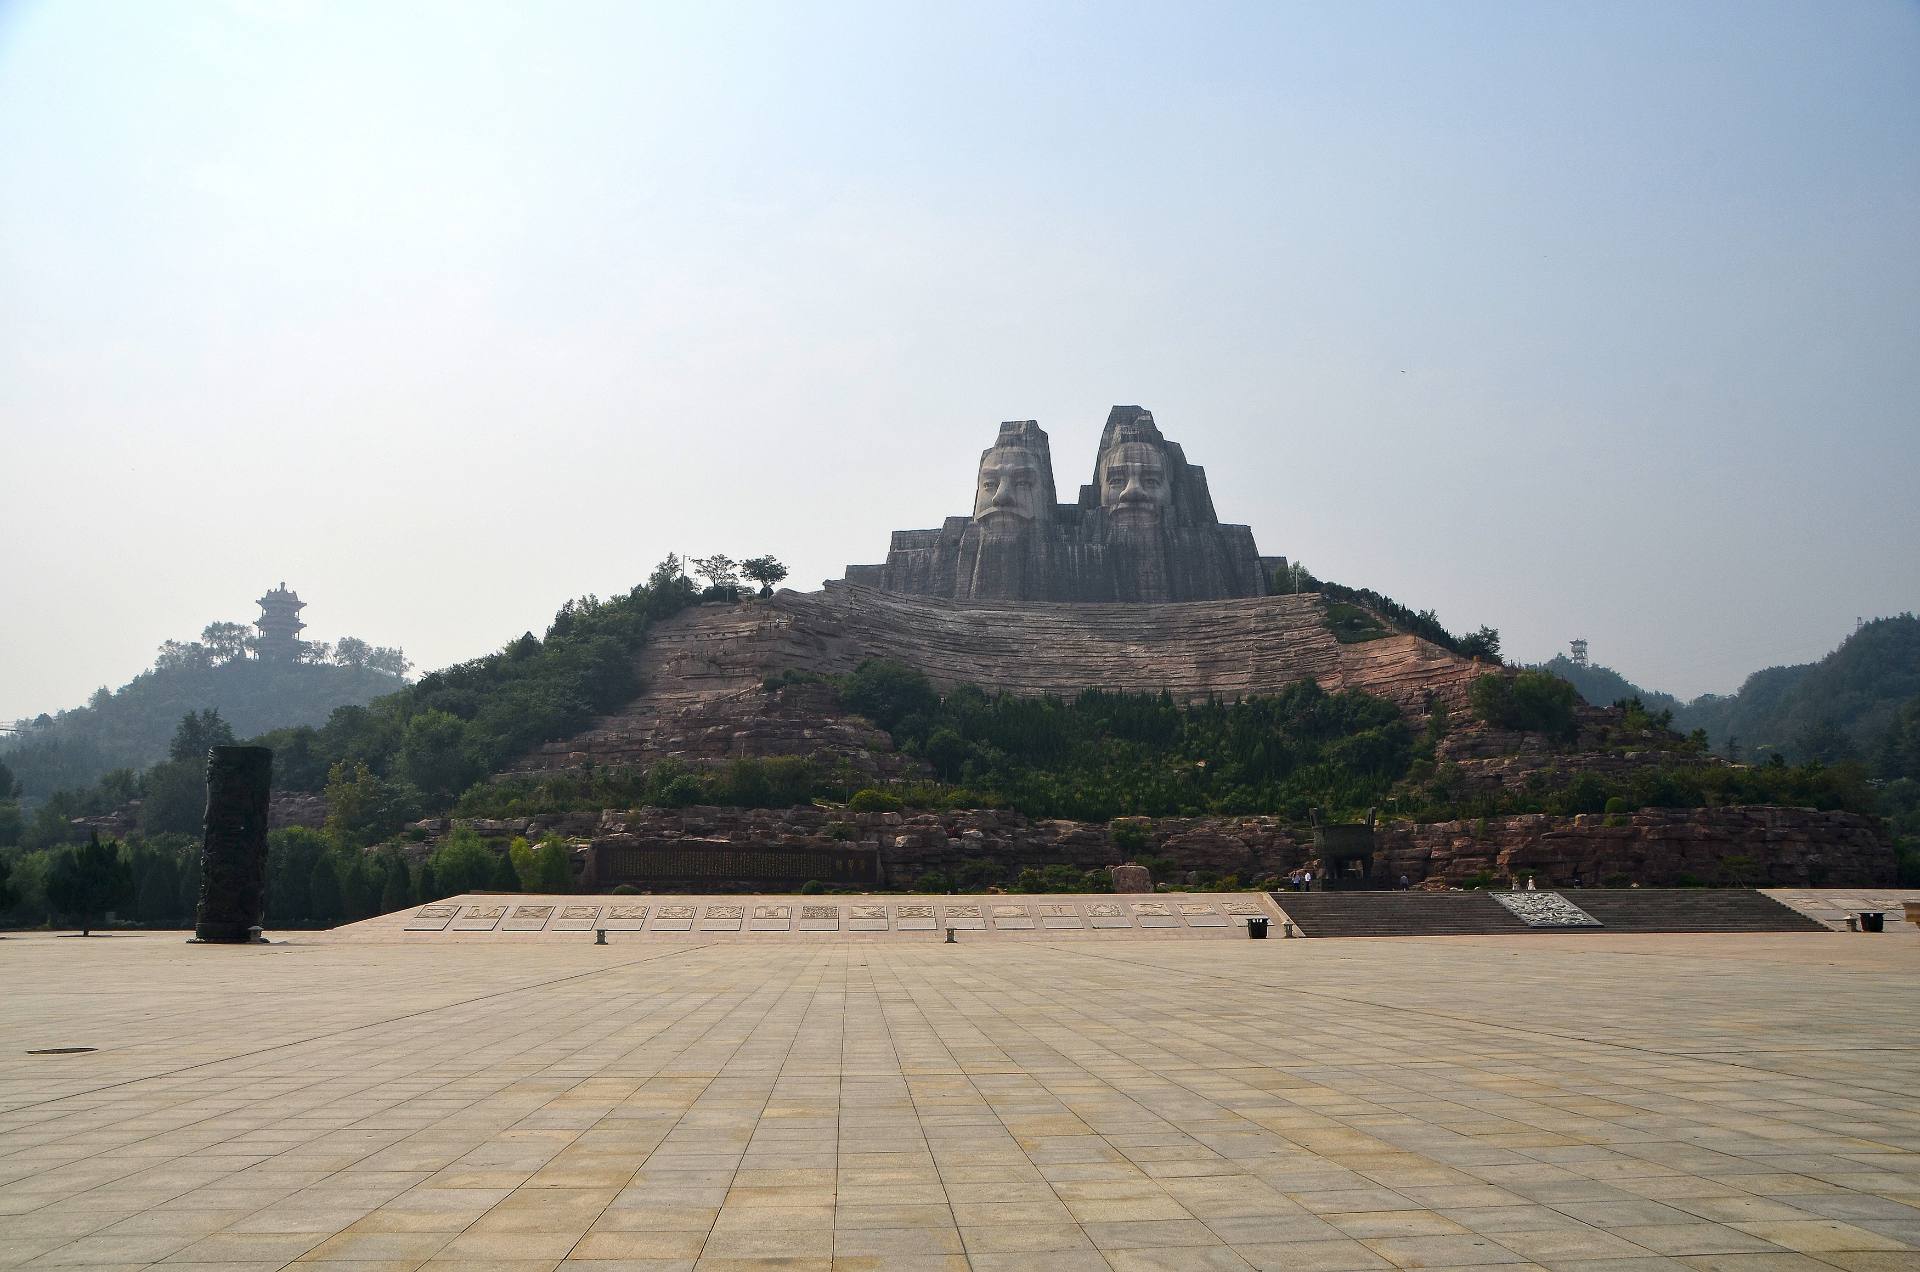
1478	914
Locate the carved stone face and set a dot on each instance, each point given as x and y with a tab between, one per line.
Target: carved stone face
1010	488
1133	483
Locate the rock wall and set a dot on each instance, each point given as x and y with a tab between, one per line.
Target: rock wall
703	669
1757	846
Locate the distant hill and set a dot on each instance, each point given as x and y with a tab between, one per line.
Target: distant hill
131	728
1823	710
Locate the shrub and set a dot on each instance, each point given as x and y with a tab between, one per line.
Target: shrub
873	801
625	890
1352	625
1131	834
1533	701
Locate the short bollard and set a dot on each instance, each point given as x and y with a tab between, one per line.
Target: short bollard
1853	923
949	936
1257	929
600	936
1286	930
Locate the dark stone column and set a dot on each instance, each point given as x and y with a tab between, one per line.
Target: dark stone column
233	864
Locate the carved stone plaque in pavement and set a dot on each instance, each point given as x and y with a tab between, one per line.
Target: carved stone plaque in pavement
913	918
1199	914
962	918
527	918
673	918
479	918
819	918
867	918
1242	907
723	918
625	918
1107	914
575	918
433	918
771	918
1058	914
1545	909
1155	914
1012	916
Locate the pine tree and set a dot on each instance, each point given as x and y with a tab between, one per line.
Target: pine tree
425	886
397	892
358	890
325	904
159	896
504	877
552	867
190	887
89	881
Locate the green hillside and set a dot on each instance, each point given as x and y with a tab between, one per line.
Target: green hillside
130	728
1834	709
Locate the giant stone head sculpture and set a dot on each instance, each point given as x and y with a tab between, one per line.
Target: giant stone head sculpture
1135	479
1015	486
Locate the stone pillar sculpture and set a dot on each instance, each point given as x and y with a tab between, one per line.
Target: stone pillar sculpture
1131	877
233	862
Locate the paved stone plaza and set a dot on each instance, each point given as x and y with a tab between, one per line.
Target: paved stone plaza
1596	1102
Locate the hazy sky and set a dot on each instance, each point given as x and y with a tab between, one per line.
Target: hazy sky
1591	320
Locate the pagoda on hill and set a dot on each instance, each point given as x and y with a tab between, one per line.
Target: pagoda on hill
280	625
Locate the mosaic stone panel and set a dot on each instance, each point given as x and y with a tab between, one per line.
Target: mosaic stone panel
1107	914
433	918
1154	914
673	918
479	918
771	918
913	918
1545	909
819	918
962	918
1198	914
723	918
1016	917
576	918
867	918
527	918
625	918
1059	914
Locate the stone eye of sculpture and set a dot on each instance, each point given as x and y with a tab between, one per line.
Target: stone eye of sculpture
1134	480
1010	486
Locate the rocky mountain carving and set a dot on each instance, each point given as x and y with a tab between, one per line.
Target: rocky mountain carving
1143	530
704	668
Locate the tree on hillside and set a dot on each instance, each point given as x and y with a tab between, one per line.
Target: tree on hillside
88	881
721	572
434	754
173	797
764	570
389	660
226	642
363	808
6	781
198	732
1483	644
552	867
9	895
351	651
177	655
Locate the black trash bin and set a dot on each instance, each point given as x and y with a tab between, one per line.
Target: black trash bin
1256	929
1872	921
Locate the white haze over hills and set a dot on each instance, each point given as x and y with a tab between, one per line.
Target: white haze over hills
1576	321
